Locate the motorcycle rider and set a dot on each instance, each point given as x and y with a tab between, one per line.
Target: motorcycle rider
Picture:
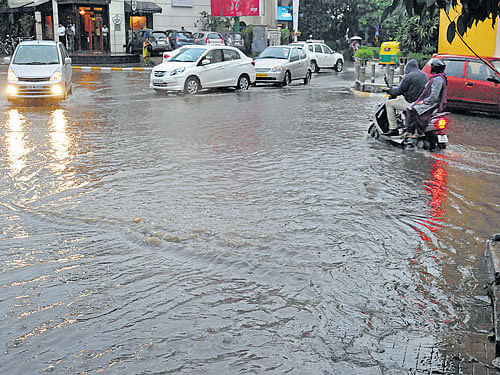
433	97
409	89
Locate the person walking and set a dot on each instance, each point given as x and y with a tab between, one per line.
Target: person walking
70	34
61	30
146	51
105	33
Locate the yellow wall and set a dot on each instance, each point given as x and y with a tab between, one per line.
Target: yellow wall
483	39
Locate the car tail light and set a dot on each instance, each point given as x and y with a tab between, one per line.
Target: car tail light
440	123
177	39
253	63
222	40
207	41
166	55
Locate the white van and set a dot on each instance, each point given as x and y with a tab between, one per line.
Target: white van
39	69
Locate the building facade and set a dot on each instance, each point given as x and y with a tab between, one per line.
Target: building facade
122	17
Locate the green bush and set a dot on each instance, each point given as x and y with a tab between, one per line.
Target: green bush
285	36
364	54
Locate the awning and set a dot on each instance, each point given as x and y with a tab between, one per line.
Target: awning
143	7
84	2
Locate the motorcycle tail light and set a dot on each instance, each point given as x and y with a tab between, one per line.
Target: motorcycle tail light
440	123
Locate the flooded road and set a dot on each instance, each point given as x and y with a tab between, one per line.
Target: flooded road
239	232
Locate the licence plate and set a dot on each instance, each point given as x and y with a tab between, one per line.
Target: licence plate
442	138
261	75
157	81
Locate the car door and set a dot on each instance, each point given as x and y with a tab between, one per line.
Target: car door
455	69
478	89
303	63
328	56
294	63
212	74
233	66
320	59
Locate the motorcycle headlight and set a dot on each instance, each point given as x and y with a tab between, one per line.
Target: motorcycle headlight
177	71
11	76
277	68
56	76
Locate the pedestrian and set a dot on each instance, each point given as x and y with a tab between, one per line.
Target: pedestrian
146	51
61	30
70	34
105	33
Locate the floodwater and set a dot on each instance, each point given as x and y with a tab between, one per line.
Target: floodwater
238	233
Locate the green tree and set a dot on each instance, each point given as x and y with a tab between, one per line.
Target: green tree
210	23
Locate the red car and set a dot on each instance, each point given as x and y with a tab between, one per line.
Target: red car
472	83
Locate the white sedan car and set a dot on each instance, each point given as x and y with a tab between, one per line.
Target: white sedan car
194	68
322	56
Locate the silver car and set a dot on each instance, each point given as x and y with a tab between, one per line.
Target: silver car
208	37
39	69
282	65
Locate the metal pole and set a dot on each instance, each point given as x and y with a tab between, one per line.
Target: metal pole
55	19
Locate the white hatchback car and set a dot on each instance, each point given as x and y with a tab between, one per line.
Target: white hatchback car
39	69
194	68
322	56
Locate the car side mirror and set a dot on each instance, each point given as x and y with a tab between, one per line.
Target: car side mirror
205	62
67	60
493	79
6	60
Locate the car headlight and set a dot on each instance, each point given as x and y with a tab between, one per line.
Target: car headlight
56	76
11	76
277	68
177	71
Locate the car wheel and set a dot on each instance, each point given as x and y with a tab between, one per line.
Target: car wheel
243	82
192	86
339	66
314	67
308	77
287	79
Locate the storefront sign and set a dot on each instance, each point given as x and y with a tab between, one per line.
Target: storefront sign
234	8
116	19
183	3
285	14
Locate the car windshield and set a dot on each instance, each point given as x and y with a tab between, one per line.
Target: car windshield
275	53
213	36
496	64
159	35
235	36
36	55
185	34
188	55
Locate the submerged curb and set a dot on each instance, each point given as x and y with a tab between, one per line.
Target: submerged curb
109	68
492	255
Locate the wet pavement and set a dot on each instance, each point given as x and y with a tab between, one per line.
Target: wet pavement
240	232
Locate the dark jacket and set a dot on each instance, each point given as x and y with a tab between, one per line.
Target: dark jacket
412	84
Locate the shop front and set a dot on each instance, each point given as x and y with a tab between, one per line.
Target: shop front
89	20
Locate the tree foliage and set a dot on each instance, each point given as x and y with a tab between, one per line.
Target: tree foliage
473	11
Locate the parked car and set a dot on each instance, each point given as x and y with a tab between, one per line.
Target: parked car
199	67
208	37
234	39
179	38
282	65
158	39
472	84
322	56
39	69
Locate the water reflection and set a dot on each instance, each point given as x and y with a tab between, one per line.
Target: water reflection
59	139
15	141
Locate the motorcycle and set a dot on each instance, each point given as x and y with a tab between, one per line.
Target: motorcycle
434	135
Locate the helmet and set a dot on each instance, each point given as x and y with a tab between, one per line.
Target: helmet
437	66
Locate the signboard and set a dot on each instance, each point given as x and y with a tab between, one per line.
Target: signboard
285	14
183	3
133	5
234	8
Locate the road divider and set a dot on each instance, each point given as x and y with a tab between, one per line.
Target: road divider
110	69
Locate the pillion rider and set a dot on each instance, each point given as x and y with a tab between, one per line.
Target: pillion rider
409	89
